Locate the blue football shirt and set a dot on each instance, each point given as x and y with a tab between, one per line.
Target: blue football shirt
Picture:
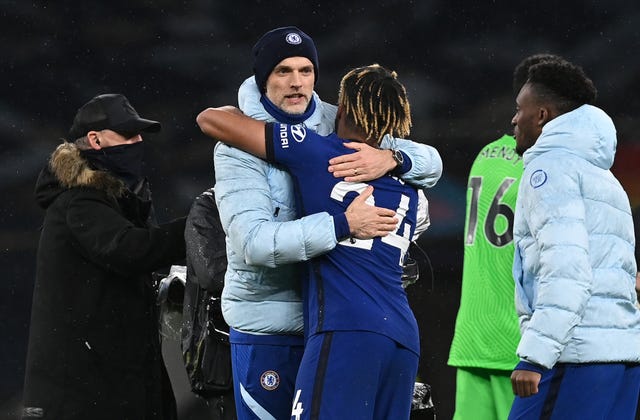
357	285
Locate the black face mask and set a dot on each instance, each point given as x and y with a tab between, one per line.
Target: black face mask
123	161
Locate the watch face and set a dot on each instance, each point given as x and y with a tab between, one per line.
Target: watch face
397	155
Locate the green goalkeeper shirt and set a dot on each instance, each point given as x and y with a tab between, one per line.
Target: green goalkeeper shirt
487	332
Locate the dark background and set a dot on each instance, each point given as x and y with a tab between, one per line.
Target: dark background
174	58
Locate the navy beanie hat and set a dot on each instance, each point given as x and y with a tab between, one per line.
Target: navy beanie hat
278	44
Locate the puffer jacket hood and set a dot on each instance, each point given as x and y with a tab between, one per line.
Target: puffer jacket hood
67	169
586	131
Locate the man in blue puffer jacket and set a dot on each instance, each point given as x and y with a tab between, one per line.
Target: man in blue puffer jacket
574	264
261	300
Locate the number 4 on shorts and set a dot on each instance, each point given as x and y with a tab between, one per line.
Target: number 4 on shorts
297	409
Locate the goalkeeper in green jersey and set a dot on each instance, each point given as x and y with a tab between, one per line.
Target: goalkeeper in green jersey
487	332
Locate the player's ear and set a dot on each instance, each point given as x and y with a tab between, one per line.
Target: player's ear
544	115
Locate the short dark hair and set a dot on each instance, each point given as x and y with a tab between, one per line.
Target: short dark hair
562	83
521	72
375	102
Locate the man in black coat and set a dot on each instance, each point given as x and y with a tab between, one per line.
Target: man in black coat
94	348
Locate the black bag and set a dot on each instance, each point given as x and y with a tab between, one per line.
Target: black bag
205	348
205	335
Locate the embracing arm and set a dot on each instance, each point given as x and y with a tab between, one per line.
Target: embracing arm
262	235
422	167
255	229
231	127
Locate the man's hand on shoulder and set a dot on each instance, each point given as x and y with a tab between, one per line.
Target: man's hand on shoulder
366	164
367	221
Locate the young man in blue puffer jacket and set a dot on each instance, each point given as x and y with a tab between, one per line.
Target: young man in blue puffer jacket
574	264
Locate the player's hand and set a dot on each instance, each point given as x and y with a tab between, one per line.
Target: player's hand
366	164
367	221
525	382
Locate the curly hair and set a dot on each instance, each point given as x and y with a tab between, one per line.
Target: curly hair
521	72
562	83
375	102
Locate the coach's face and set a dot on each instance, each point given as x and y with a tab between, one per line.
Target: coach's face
290	84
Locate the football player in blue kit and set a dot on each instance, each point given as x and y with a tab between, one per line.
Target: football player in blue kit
362	344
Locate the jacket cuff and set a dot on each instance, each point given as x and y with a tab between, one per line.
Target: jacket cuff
341	226
523	365
406	164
